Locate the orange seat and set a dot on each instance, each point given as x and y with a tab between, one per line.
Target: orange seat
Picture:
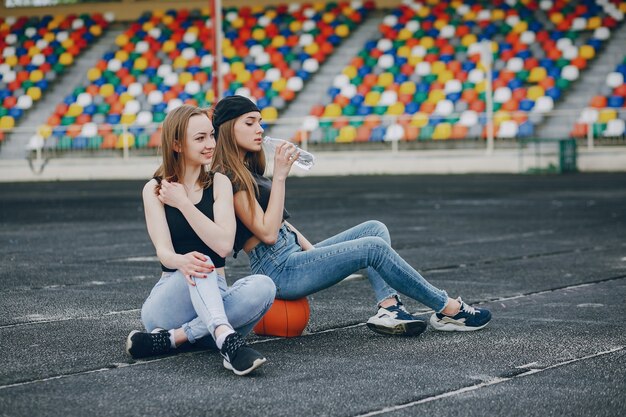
579	130
363	134
458	132
411	132
598	102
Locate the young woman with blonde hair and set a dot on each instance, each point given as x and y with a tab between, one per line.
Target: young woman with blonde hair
191	222
299	268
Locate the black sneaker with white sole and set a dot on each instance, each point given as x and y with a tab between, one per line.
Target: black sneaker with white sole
143	345
396	321
239	357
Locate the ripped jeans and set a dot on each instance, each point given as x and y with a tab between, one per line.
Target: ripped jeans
298	273
200	309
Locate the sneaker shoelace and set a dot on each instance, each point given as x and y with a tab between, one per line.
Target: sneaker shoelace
231	346
160	342
468	309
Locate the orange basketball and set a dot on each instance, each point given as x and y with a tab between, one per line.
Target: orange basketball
284	318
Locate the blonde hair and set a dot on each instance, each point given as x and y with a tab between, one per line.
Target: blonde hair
173	134
227	160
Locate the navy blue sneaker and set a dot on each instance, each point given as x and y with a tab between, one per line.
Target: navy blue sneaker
396	321
466	320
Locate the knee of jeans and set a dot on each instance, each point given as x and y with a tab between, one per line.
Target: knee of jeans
381	229
264	287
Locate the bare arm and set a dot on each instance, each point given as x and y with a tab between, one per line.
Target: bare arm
218	234
303	241
191	264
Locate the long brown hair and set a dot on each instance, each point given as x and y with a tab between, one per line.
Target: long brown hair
227	160
173	134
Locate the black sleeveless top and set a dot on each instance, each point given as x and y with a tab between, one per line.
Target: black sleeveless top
183	236
243	233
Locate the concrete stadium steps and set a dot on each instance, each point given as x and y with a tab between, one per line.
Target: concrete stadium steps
566	112
315	90
76	75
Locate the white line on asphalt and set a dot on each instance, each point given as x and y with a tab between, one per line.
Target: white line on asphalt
494	381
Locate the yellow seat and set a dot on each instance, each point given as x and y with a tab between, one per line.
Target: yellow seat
436	96
44	131
346	134
121	40
407	87
125	97
587	52
350	71
128	119
168	46
594	22
427	42
342	31
501	116
36	75
269	113
312	48
442	131
106	90
34	92
385	79
445	76
396	109
419	119
121	56
372	98
140	64
607	115
185	77
332	110
535	92
127	137
437	67
66	59
279	85
74	110
7	122
537	74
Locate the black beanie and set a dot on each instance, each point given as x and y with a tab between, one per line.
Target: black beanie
230	108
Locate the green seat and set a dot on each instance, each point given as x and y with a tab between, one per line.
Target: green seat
426	132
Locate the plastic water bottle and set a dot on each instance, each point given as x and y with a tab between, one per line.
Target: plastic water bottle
306	159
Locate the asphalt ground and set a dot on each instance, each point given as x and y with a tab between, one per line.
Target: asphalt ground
547	255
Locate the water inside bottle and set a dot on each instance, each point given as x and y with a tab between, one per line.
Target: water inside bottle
305	161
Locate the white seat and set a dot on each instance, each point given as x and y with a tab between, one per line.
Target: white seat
385	61
570	72
508	129
588	115
469	118
295	83
543	104
89	130
614	79
193	87
444	108
394	132
387	98
502	95
614	128
341	80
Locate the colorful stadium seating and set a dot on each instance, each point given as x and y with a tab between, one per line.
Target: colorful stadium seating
34	52
426	61
164	59
607	111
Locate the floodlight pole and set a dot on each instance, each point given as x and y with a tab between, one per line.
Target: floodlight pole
487	59
215	9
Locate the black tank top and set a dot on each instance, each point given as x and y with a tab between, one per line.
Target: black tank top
243	233
183	236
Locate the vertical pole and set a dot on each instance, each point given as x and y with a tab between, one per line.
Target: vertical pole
215	7
125	141
590	135
487	58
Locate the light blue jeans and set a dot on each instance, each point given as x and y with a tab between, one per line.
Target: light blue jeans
200	309
298	273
